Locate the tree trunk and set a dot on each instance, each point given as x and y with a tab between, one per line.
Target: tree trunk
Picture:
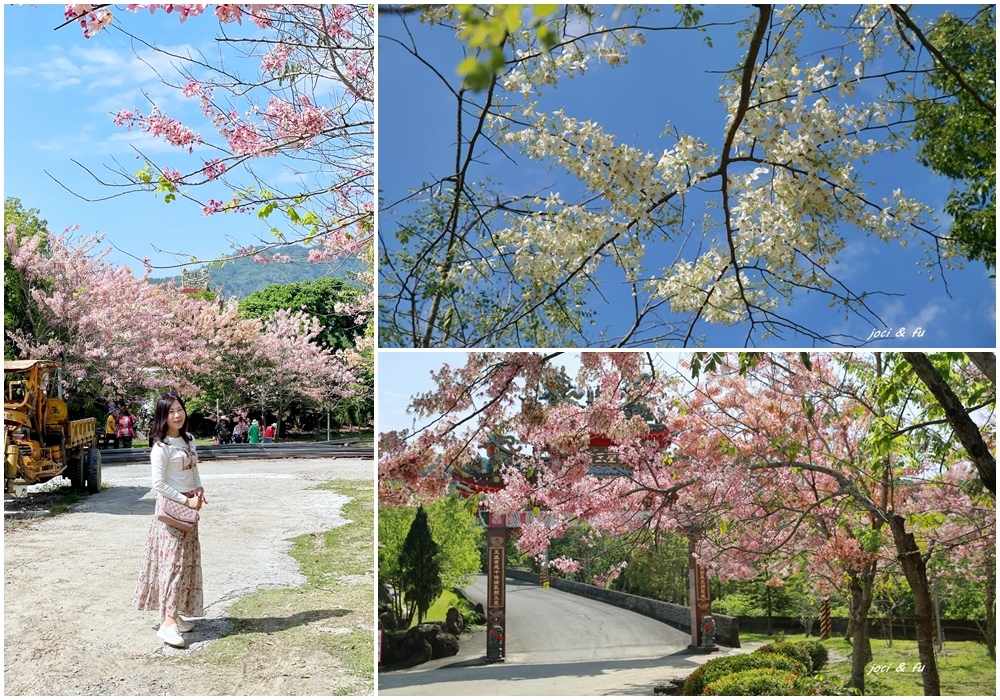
861	587
767	594
915	570
965	428
987	364
991	613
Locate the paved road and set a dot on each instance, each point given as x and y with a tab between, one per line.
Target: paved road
550	626
557	644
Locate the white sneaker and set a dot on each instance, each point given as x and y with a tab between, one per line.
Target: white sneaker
182	624
171	636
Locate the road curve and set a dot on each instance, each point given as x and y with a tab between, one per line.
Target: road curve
557	644
552	626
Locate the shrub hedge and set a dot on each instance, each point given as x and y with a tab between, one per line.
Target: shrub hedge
779	668
715	669
818	653
755	681
799	652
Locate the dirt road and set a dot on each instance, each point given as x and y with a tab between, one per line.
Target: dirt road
70	628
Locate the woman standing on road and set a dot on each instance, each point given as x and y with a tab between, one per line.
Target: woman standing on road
170	576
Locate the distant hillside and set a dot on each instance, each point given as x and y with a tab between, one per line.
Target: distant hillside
241	278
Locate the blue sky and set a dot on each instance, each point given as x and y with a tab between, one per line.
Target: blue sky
662	82
60	94
401	375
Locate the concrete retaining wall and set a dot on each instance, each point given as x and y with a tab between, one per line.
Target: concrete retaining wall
727	629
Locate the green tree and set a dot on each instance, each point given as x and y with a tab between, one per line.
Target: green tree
325	298
956	127
660	570
335	304
393	526
420	566
19	311
457	534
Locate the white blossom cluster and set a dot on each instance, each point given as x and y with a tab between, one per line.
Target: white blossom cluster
789	185
533	70
563	237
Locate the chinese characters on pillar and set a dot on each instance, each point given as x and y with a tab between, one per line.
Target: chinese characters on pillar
496	576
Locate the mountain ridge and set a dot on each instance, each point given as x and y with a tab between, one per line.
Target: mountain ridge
241	277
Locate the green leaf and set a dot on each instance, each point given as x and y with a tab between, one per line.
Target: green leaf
511	18
806	361
468	66
265	211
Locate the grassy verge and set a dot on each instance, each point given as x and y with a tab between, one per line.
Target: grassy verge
964	667
331	615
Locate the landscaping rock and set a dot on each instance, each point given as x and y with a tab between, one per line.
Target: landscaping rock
454	622
420	644
444	645
420	652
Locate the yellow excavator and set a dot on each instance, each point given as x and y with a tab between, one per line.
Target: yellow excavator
40	441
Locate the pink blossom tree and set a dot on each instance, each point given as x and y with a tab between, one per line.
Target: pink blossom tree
842	434
286	362
784	460
308	106
121	337
118	336
286	132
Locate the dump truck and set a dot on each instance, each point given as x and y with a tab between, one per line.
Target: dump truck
40	441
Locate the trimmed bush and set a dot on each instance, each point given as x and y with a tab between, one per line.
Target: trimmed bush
755	681
716	669
818	653
793	651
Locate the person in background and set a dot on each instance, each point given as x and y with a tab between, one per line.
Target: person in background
239	431
254	433
269	432
126	428
111	427
222	436
170	579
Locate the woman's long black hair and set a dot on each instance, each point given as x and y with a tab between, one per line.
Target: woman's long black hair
159	429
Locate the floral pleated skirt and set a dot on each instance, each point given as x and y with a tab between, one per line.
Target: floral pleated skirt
170	575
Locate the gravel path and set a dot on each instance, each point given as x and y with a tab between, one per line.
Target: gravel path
69	626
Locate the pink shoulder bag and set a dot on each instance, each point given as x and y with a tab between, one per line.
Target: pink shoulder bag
175	514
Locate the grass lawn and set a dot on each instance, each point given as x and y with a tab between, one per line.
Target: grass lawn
333	612
439	609
964	667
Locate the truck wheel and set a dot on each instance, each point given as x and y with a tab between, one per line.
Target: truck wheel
93	468
74	471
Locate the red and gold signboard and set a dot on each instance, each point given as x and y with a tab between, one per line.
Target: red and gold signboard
496	575
701	595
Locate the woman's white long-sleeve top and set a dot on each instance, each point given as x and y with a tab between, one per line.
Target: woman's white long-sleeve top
175	468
